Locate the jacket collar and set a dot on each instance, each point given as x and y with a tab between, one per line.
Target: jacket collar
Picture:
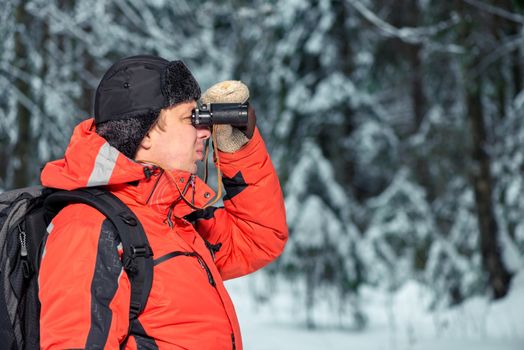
163	191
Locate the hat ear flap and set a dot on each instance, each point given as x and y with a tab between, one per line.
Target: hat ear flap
178	84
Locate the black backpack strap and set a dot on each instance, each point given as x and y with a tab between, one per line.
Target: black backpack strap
137	257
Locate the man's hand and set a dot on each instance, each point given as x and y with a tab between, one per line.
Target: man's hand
230	139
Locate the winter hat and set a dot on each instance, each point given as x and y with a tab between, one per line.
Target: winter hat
139	84
131	94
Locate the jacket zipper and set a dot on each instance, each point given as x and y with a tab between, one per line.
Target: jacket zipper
233	341
199	258
193	185
205	267
26	266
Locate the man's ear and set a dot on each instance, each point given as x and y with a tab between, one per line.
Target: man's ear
147	141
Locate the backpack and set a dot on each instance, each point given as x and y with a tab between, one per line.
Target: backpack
24	216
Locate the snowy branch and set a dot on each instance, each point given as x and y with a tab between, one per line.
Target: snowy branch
130	14
23	99
11	71
496	11
411	35
500	52
144	20
65	20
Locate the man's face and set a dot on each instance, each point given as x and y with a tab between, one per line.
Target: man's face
174	143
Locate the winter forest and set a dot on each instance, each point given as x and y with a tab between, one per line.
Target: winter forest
396	127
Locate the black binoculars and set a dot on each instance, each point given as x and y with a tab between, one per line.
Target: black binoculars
234	114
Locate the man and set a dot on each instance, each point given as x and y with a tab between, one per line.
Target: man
142	146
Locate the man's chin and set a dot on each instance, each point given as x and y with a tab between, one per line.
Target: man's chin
193	169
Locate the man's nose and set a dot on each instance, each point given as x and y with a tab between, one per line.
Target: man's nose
203	132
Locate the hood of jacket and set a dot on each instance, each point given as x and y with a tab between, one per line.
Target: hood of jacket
91	161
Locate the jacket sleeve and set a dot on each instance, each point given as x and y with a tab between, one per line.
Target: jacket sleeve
251	227
83	291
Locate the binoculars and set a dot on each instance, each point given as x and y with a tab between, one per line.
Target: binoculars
211	114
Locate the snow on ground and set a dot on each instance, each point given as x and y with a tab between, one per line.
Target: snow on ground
396	322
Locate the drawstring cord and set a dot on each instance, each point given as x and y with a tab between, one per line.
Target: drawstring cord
206	167
172	207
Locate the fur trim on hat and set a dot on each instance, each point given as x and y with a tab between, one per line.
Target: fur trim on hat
178	84
126	134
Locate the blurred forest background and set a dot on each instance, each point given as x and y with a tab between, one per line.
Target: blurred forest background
397	127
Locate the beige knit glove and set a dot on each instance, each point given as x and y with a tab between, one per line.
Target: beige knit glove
229	139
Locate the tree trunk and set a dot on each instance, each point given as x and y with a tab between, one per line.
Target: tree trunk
509	29
21	157
330	137
517	71
417	88
418	97
498	275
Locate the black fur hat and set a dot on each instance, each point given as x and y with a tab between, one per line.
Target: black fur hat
140	84
131	94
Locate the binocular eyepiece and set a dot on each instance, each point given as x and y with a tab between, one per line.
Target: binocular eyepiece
234	114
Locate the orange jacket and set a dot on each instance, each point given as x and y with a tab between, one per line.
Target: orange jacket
84	291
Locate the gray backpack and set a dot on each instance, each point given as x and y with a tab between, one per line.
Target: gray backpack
24	216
